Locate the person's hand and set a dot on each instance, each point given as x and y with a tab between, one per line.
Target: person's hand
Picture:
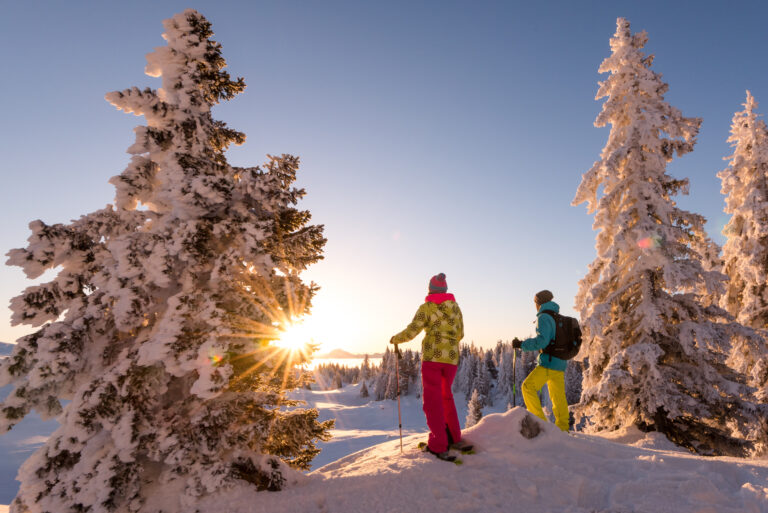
517	343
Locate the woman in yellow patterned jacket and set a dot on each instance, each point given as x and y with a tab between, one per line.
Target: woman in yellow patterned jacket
440	317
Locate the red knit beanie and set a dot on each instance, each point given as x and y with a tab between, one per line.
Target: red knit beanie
438	284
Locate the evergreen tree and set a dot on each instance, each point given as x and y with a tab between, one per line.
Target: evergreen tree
364	390
573	378
745	254
504	380
365	368
392	384
483	382
465	374
656	352
491	365
527	360
406	371
745	185
380	386
475	409
156	329
497	352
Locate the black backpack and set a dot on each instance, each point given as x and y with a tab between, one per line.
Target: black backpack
567	341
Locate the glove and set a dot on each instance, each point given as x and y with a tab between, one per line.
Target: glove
517	343
392	340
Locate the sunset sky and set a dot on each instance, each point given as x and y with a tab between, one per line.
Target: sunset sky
434	136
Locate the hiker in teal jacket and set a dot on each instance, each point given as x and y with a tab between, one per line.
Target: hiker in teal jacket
550	370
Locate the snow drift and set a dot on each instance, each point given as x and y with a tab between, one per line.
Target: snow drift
551	472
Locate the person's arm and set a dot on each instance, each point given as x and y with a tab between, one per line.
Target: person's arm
545	332
459	325
418	323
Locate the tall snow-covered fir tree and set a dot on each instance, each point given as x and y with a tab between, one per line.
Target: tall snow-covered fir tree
745	254
656	350
157	327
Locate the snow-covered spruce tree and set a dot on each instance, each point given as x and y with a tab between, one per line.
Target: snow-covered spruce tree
466	373
474	409
482	382
573	378
365	369
745	254
157	326
504	379
656	352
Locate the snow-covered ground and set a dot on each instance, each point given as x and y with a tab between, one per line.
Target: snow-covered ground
363	422
362	470
553	472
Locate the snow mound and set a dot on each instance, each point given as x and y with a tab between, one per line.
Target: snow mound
551	472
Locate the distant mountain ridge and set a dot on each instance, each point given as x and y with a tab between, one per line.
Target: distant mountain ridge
341	354
6	348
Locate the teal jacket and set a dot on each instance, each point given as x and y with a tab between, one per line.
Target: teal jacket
545	333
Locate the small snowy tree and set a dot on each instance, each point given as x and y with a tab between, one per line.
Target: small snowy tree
364	390
475	409
157	326
656	350
365	368
745	254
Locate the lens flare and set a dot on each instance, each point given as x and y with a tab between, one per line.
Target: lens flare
215	357
652	242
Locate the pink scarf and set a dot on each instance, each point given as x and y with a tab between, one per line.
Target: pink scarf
439	298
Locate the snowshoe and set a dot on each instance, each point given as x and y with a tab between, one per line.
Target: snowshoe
445	456
463	446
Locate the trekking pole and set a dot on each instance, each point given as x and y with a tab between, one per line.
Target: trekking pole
398	355
514	377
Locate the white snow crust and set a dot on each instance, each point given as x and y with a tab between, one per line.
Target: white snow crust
553	472
361	469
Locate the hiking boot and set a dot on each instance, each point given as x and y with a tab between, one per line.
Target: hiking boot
445	455
461	445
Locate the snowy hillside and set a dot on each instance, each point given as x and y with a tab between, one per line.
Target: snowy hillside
553	471
362	470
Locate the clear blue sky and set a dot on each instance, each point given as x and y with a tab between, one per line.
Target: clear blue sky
434	136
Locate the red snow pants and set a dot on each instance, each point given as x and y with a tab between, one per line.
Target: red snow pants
439	408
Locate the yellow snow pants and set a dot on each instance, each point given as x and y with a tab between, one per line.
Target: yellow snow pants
555	381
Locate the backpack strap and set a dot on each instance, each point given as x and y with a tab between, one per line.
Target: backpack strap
553	315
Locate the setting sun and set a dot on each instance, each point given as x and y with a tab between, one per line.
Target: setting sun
296	337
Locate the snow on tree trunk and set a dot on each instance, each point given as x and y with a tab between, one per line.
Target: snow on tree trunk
157	327
656	352
745	254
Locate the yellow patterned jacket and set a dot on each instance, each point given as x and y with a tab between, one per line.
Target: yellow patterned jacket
440	317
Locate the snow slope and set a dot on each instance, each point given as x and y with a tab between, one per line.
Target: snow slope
361	469
363	422
553	472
